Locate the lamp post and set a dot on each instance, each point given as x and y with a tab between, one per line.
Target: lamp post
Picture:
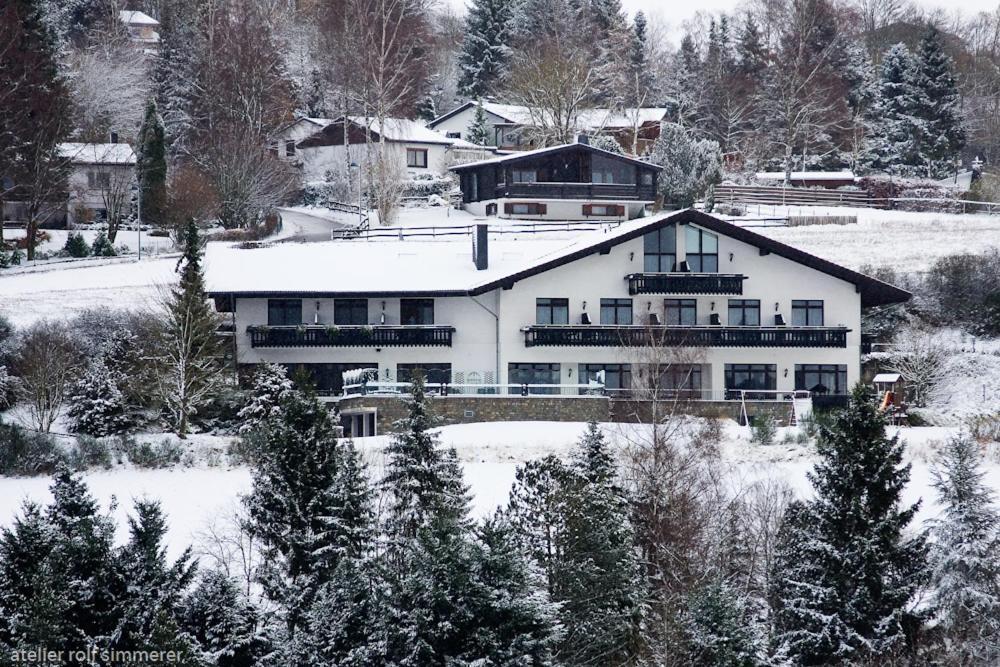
138	212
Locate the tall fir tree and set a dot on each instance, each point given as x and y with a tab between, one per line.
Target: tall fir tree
944	133
720	630
895	128
152	167
189	370
486	48
479	130
965	556
223	622
294	506
182	44
843	594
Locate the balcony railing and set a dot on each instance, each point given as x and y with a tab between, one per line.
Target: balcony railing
351	336
641	336
597	191
685	283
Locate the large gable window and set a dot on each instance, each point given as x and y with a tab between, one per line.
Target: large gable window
659	249
702	252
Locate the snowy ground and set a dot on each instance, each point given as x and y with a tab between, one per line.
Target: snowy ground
194	497
130	239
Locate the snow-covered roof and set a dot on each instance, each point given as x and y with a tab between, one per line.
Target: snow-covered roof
403	129
445	268
98	153
520	155
807	175
597	119
891	378
515	113
134	17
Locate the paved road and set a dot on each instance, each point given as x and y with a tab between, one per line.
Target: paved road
302	227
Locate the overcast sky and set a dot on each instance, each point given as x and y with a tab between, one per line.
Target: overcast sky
675	12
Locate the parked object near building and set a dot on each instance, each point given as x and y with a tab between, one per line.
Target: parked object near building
567	182
685	304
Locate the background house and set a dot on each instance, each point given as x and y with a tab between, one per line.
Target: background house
414	148
286	138
142	28
102	177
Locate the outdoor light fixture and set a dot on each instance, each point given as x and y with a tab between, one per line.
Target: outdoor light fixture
631	256
585	305
775	305
730	257
713	305
786	373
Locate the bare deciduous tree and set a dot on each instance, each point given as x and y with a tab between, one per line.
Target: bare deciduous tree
47	357
921	358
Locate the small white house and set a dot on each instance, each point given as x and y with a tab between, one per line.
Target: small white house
415	149
286	138
142	28
101	180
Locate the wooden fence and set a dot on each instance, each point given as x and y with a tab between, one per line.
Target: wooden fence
777	196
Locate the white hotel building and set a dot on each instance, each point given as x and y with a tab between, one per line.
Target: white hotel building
508	309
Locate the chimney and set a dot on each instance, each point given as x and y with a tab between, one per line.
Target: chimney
583	139
114	138
481	247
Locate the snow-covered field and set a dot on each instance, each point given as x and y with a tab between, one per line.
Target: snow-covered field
196	497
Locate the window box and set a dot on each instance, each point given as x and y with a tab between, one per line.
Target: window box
525	208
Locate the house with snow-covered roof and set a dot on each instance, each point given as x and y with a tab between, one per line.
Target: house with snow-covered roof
414	148
566	182
142	28
510	124
686	303
101	177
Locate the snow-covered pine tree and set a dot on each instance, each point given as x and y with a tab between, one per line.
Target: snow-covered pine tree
638	59
188	370
606	143
690	165
686	83
862	95
486	50
720	629
895	129
843	594
599	583
751	53
175	74
293	504
964	556
97	405
152	166
944	134
536	511
149	590
479	130
270	386
223	623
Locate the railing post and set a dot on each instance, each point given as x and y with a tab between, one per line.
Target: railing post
524	389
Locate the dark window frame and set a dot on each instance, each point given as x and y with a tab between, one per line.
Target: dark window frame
289	148
697	259
743	307
350	312
434	373
619	309
622	373
284	312
685	309
417	154
839	371
807	312
656	259
546	308
408	317
535	372
749	374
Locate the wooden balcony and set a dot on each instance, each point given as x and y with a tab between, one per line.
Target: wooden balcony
685	283
677	336
589	191
351	336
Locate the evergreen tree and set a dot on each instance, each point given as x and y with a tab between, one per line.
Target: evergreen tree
637	52
486	51
686	86
943	131
690	165
150	590
97	405
294	506
152	166
846	573
720	629
751	54
270	387
895	129
537	511
76	245
479	130
222	622
182	44
965	556
102	247
189	368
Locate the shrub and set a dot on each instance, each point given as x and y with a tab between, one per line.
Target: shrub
91	452
24	452
102	246
76	245
764	429
149	455
984	428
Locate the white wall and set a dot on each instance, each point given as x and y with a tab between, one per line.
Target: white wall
557	209
317	161
772	279
82	195
462	121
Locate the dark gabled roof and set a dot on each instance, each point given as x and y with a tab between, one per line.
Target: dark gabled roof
538	152
873	292
457	110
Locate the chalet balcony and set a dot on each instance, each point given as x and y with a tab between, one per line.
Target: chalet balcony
590	191
351	336
678	336
685	283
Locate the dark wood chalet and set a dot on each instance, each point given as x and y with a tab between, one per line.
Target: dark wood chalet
606	184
